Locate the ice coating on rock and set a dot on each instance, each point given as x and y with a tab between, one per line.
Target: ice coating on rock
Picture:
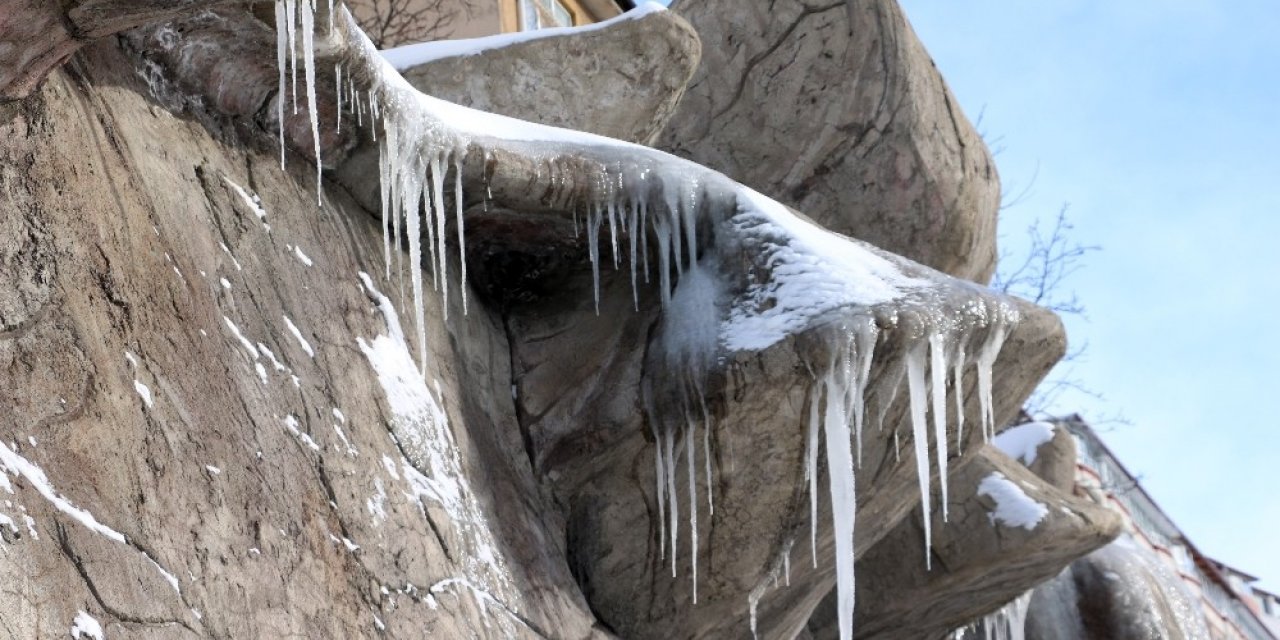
420	429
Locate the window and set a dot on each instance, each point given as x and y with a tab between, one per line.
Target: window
540	14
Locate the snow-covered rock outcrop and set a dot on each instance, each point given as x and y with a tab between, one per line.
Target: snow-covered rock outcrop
237	412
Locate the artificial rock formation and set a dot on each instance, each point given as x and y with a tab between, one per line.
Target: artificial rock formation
219	427
836	109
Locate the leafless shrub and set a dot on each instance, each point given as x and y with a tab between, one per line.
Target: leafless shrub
391	23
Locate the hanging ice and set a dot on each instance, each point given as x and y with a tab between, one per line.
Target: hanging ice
708	231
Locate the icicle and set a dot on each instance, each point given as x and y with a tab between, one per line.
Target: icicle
462	240
308	9
844	504
673	200
282	17
291	29
632	222
986	361
387	162
593	249
865	342
660	475
644	236
919	432
691	455
690	209
674	512
811	470
392	190
957	383
938	372
706	451
782	562
413	222
428	208
753	601
437	203
663	231
337	82
613	230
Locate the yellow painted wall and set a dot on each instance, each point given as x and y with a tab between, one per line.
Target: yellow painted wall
510	14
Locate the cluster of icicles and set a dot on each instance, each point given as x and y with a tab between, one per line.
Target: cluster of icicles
1006	623
417	153
838	411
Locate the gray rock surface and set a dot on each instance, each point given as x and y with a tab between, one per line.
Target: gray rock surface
623	81
121	224
849	122
1119	592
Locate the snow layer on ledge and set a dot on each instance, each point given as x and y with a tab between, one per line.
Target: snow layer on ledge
1023	441
86	626
412	55
1014	508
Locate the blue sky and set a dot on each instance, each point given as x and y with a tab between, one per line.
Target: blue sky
1159	123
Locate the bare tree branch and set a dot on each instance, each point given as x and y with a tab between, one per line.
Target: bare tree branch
1040	275
1052	257
391	23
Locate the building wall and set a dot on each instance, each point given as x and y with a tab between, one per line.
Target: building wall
486	20
1231	610
584	12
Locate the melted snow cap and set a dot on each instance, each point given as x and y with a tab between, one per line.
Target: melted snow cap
1023	441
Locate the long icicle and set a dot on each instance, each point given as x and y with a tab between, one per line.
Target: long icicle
673	514
633	217
920	433
413	222
593	249
706	451
865	338
691	456
437	203
811	470
282	41
957	383
428	207
844	502
308	10
938	373
291	30
660	474
462	239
